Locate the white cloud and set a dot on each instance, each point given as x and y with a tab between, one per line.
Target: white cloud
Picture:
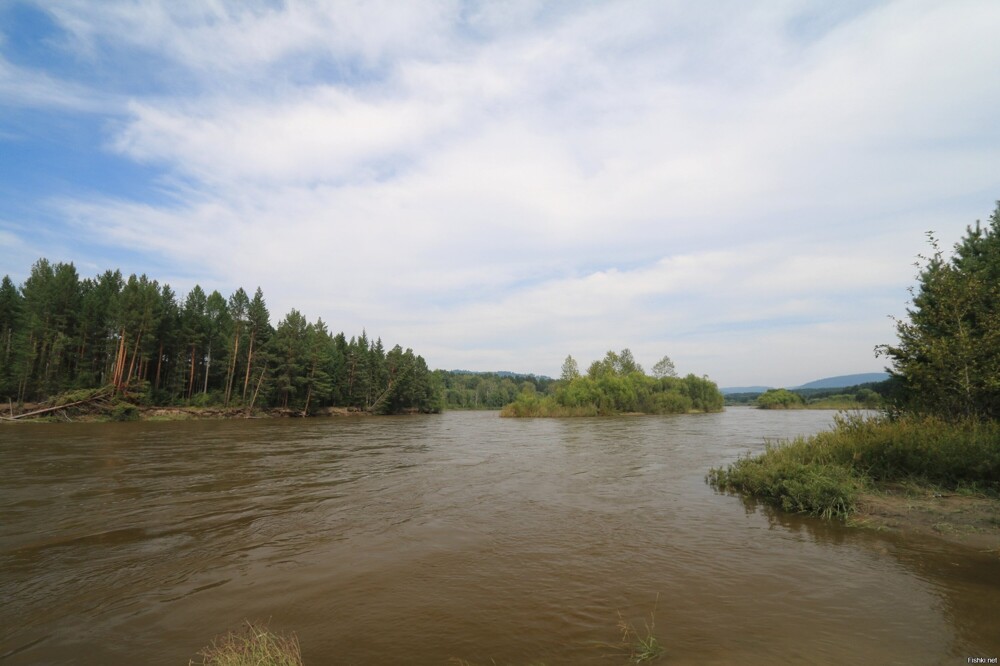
24	88
499	185
232	43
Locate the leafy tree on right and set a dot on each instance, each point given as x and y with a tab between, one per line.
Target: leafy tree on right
947	360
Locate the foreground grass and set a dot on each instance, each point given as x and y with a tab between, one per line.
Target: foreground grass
640	646
254	645
826	474
251	645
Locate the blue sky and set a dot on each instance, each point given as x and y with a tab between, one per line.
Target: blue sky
743	186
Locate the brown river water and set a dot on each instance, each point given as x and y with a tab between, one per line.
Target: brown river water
462	536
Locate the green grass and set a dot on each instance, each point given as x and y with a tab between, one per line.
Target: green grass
642	647
251	645
824	474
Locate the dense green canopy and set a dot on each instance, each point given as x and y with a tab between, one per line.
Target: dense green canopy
616	384
60	333
947	360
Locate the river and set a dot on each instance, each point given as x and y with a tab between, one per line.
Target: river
462	536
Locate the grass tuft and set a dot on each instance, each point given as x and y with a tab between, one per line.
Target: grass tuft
825	473
641	647
251	645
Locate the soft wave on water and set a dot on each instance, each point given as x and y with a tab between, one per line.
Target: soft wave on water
418	539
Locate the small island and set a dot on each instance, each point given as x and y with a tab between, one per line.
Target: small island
853	397
617	385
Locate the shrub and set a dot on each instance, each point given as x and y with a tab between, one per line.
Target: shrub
823	474
783	476
124	411
779	399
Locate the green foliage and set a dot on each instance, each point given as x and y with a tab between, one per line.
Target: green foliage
124	411
664	368
617	385
483	390
938	451
11	304
570	369
703	393
948	355
823	474
782	477
779	399
622	363
59	333
871	395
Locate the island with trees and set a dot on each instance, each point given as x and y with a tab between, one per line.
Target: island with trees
939	435
862	396
120	346
617	384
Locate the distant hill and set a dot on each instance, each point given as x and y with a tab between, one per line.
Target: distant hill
499	373
743	389
841	381
846	380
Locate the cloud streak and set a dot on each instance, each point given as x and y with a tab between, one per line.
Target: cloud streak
498	186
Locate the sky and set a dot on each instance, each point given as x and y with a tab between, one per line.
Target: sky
743	186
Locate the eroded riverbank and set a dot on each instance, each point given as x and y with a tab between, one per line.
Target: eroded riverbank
960	519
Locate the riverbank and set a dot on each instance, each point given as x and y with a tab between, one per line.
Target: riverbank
910	474
125	411
968	520
831	405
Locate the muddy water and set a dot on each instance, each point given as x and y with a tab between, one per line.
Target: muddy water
416	540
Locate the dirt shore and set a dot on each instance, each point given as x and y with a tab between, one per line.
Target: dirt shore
182	413
969	520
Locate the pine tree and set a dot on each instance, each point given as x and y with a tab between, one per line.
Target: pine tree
11	304
259	323
288	350
239	305
194	329
318	355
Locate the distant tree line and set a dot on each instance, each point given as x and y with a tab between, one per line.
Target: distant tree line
60	333
617	384
485	390
870	395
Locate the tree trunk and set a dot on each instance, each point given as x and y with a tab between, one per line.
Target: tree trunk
232	367
135	354
309	389
246	380
190	390
208	366
119	361
256	391
159	363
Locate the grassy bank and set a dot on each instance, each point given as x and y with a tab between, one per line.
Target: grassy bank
828	473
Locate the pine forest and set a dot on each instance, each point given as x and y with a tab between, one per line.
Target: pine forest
136	338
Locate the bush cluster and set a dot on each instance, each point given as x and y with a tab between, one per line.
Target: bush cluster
611	393
824	473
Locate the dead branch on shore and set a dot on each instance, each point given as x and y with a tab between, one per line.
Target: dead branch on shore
100	397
